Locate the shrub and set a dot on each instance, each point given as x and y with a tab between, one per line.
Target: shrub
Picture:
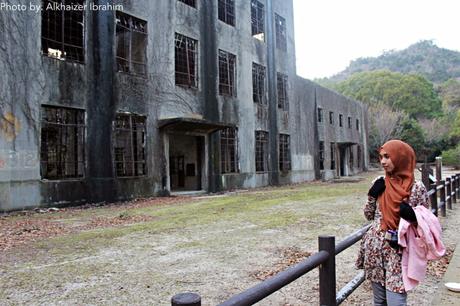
452	157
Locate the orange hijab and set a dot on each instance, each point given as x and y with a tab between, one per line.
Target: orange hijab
398	184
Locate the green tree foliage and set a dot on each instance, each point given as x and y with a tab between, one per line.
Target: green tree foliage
410	93
412	133
450	94
452	157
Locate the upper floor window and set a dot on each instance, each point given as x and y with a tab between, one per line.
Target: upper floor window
261	151
258	83
257	20
186	61
129	145
131	40
320	114
282	86
340	120
227	73
63	30
227	11
280	24
62	147
229	150
284	152
189	2
331	117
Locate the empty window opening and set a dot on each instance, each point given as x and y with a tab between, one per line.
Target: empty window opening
227	74
320	114
257	20
284	152
63	30
189	2
282	86
332	156
280	23
340	120
131	42
357	124
185	61
331	117
227	11
321	155
261	151
129	145
229	150
62	153
349	122
258	84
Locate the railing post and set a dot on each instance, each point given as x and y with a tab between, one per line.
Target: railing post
426	175
186	299
434	199
327	285
438	169
454	189
442	198
449	192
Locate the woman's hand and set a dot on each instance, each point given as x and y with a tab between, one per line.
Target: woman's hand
407	212
377	189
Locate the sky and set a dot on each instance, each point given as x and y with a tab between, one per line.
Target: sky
331	33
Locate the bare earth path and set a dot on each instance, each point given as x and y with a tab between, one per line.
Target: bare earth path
144	252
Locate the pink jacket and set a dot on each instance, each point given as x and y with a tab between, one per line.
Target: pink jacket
419	244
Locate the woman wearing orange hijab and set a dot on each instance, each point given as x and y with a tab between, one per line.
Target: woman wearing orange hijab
390	198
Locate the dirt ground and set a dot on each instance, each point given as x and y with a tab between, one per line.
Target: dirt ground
143	252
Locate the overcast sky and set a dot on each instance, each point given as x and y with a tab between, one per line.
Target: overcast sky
331	33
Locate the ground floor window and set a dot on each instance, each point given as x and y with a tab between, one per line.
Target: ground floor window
229	150
321	155
129	145
62	143
332	156
284	152
261	151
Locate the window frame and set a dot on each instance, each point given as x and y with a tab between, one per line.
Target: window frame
258	20
191	3
281	32
282	91
189	55
259	84
226	11
261	151
320	115
229	148
227	71
284	153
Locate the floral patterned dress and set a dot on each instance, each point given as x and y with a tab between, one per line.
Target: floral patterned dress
382	263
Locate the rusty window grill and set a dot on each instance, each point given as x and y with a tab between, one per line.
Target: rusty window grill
186	61
280	24
63	30
62	152
320	114
261	151
357	124
229	150
321	155
340	120
284	152
227	74
332	156
189	2
129	145
282	81
331	117
257	20
131	42
227	11
258	84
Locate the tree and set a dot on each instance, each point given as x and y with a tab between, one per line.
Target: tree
449	92
412	133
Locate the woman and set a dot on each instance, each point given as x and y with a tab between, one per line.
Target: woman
389	199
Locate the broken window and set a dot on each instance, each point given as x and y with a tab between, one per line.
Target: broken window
186	61
261	151
63	30
332	156
320	114
131	40
227	74
229	150
257	20
284	152
189	2
321	155
227	11
331	117
282	81
258	84
340	120
129	145
280	24
62	151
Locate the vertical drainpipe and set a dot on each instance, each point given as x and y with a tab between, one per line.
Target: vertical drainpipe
272	105
208	58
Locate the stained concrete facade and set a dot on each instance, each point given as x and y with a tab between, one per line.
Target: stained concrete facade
182	124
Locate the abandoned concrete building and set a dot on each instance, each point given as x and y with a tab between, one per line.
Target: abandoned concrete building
144	98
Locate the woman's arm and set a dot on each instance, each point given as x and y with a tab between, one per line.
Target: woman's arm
370	208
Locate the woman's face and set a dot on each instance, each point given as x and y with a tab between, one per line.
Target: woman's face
386	162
